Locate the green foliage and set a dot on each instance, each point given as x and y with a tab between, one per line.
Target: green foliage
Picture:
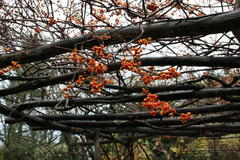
33	148
1	154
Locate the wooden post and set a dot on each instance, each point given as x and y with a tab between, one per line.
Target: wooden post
97	150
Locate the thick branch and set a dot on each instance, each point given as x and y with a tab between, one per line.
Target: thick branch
205	25
230	62
189	94
136	115
153	132
164	124
200	129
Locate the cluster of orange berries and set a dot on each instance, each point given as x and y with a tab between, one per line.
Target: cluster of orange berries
76	57
171	73
14	66
132	65
145	41
151	103
148	79
152	7
136	52
129	65
96	67
52	21
96	86
100	52
80	79
185	117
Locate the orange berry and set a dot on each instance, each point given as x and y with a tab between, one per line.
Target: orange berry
153	113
